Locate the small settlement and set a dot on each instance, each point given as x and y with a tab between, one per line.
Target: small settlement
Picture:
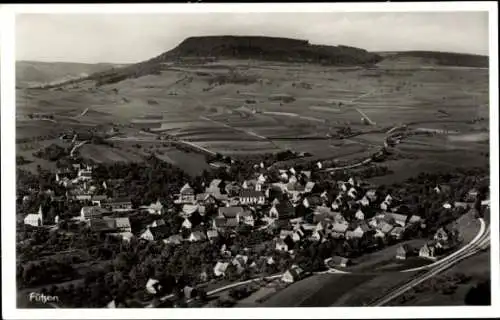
294	207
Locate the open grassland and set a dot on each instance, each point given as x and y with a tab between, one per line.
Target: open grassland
270	107
107	154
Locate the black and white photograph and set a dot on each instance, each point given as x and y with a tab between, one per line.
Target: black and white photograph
209	158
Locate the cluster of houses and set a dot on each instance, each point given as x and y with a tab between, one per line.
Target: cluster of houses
294	203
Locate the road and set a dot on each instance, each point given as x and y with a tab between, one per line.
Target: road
481	242
145	139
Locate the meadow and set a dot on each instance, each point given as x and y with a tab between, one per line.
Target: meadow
281	106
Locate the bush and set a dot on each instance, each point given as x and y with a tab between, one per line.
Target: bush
51	153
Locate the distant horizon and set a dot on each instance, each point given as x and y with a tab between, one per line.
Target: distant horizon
129	63
132	38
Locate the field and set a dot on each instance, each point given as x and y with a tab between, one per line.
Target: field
476	267
256	117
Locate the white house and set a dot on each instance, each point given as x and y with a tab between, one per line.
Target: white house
428	251
388	199
364	201
153	286
156	208
147	235
261	179
87	213
281	245
284	176
371	195
384	206
220	268
250	197
360	215
35	220
186	194
187	224
309	186
197	236
352	193
293	274
123	224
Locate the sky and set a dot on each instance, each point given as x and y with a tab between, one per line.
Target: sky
126	38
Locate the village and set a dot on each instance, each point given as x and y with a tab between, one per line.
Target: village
293	211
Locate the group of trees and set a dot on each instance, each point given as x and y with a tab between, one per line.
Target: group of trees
44	272
52	153
143	182
132	264
20	160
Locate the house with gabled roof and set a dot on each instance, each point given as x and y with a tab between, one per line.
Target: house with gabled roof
156	208
186	194
98	199
428	251
230	212
285	233
364	201
352	193
35	220
188	210
340	261
246	217
359	215
123	224
312	201
187	224
125	236
385	227
472	195
212	234
399	219
384	205
309	187
94	212
281	245
362	230
117	204
298	234
397	233
388	198
175	239
252	197
206	199
215	184
153	286
404	252
319	235
220	268
232	189
197	236
155	233
371	195
240	262
340	227
157	223
295	273
414	219
283	211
